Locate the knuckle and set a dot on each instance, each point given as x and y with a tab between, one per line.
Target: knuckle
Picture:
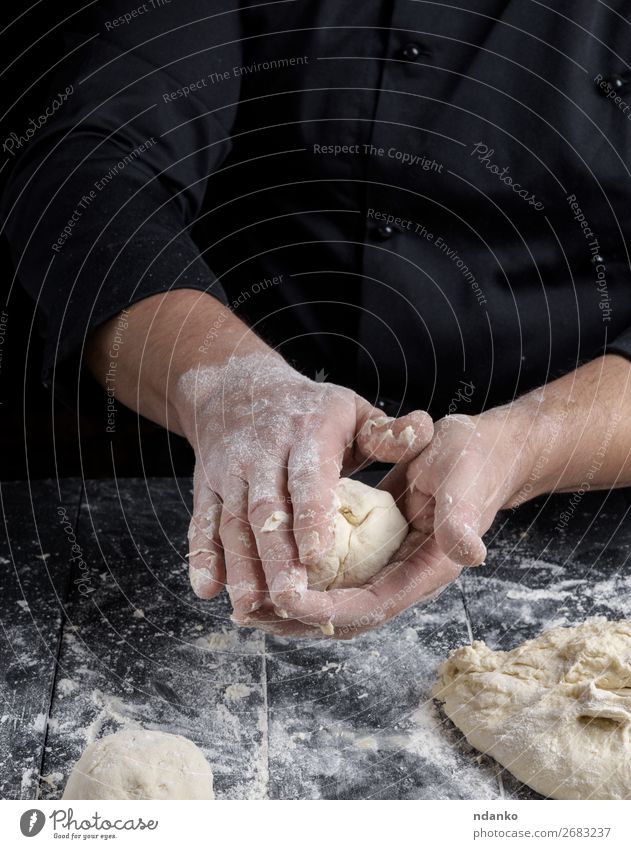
205	557
277	551
203	582
262	506
208	515
230	522
311	513
287	586
416	470
285	602
192	531
305	474
306	486
244	602
204	534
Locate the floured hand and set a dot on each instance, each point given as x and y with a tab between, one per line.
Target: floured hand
270	445
474	466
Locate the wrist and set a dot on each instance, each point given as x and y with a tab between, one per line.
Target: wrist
518	448
538	427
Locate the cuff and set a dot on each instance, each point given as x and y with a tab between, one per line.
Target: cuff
115	277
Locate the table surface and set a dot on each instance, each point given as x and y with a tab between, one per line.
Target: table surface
100	631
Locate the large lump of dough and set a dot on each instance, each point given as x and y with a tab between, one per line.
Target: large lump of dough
139	764
369	528
555	711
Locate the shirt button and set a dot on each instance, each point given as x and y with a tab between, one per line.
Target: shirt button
386	231
615	83
412	52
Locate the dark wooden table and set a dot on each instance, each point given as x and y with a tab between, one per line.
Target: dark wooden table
101	631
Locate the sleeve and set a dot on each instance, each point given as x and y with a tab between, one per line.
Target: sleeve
99	207
621	345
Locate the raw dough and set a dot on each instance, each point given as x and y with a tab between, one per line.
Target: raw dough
369	528
555	711
140	764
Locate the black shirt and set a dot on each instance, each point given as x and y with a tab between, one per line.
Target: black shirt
427	202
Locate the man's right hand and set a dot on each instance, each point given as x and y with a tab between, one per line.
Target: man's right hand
270	445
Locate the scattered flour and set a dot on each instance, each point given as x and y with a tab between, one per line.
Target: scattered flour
235	692
39	722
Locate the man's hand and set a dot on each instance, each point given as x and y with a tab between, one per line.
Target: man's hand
475	466
417	573
270	445
571	435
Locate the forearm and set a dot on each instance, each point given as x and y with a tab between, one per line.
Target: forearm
576	430
165	336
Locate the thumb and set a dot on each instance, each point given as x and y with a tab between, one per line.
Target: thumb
465	506
387	439
207	571
459	525
458	508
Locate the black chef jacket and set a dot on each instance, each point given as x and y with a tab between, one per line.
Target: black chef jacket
427	202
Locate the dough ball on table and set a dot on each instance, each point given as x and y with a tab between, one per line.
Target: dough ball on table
555	711
140	764
369	528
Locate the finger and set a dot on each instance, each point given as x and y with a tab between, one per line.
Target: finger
391	440
206	565
272	523
313	473
395	481
419	510
272	623
457	511
244	575
420	572
458	524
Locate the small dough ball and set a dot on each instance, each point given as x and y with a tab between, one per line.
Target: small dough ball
555	711
139	764
369	528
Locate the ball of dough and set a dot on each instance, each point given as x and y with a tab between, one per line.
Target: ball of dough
138	764
369	528
555	711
